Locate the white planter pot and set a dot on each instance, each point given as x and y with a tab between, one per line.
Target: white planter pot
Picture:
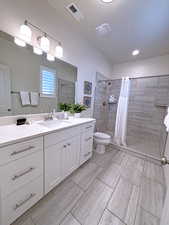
77	115
66	116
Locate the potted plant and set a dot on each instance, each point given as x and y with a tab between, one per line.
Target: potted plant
65	107
76	109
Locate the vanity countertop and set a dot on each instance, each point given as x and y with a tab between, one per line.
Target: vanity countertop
10	134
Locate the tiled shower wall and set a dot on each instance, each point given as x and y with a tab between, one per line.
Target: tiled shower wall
113	88
147	109
105	113
100	110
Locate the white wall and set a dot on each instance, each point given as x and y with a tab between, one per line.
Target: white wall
77	50
148	67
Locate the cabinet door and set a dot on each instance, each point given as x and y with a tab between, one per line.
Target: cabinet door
53	166
86	147
70	156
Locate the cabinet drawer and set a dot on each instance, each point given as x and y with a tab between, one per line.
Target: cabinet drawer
20	172
86	148
54	138
19	150
20	201
89	127
88	135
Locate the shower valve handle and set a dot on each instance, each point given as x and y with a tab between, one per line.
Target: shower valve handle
164	161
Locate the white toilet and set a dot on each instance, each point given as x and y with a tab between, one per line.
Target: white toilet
101	140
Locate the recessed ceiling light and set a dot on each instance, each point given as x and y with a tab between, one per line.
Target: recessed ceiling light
135	52
107	1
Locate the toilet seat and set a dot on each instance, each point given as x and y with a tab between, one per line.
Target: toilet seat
101	135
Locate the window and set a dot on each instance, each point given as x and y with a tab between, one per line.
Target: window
47	82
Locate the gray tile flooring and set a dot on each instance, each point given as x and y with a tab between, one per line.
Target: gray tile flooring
110	189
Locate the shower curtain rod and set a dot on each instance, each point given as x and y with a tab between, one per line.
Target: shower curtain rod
133	78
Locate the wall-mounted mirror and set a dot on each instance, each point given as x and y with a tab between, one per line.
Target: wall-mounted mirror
29	83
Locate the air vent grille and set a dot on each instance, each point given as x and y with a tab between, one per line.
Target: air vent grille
73	9
75	12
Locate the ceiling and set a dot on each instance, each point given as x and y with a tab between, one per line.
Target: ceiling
135	24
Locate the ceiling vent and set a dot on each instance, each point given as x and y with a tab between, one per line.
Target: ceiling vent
103	29
75	12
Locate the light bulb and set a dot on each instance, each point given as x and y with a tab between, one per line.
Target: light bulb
37	50
59	51
44	43
50	57
19	42
135	52
25	32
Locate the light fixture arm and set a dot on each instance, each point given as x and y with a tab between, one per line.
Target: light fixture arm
42	31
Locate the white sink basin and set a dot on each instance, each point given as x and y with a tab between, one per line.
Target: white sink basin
54	123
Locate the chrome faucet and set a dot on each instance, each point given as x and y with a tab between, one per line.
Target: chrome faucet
49	116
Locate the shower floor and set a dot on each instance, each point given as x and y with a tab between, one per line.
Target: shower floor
149	146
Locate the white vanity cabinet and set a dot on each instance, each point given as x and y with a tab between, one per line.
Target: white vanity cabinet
21	176
65	151
62	157
30	169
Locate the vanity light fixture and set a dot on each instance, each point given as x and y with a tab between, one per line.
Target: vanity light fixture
19	42
37	50
50	57
44	43
59	51
136	52
107	1
25	32
25	36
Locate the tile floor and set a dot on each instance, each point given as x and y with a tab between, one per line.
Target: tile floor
110	189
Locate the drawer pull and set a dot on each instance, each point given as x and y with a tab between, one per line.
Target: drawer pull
18	205
64	146
69	144
88	139
87	154
89	127
21	151
22	174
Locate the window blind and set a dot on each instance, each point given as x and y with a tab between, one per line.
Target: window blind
48	82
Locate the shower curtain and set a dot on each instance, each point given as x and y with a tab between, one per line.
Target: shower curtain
122	112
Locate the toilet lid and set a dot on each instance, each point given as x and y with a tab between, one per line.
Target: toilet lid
101	135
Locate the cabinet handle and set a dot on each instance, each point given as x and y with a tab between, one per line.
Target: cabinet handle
18	205
89	127
88	139
21	151
64	146
87	154
15	177
69	144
